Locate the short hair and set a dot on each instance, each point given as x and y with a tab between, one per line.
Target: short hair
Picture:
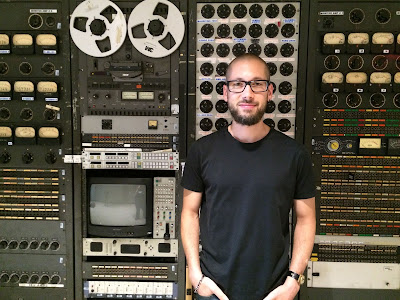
248	56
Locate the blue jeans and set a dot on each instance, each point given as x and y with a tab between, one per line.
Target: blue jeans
213	297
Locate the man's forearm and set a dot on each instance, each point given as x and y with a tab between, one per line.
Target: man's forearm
190	241
303	242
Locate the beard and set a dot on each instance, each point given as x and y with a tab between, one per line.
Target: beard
247	119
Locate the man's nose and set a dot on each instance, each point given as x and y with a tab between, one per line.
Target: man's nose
248	91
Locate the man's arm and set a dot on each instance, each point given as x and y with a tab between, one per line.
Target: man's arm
303	242
190	240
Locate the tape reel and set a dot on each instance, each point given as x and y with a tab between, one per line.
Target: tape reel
98	27
156	28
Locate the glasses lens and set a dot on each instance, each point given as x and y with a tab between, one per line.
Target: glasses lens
236	86
258	85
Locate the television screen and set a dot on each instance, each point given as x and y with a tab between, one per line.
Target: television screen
117	204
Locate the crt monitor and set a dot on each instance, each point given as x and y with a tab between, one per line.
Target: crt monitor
120	207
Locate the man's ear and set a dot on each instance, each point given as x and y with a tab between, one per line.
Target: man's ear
225	90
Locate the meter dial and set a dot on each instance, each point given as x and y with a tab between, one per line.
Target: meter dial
358	38
333	145
381	78
383	38
353	100
332	77
356	78
331	62
334	39
355	62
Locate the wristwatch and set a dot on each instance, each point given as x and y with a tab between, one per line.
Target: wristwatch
300	278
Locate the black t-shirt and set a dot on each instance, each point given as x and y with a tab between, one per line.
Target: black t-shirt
248	191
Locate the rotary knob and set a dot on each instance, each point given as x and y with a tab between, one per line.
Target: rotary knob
5	157
27	158
51	158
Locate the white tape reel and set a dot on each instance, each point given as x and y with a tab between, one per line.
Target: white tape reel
98	27
156	28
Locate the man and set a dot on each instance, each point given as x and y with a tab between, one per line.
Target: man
246	178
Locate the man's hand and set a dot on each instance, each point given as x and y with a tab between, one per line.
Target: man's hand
286	291
208	288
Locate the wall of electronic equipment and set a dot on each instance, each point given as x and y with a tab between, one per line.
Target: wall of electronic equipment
100	100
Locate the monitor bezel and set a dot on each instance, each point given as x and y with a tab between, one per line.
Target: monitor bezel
135	231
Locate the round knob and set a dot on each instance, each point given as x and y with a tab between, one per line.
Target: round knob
51	158
49	115
108	96
27	158
5	157
4	113
95	96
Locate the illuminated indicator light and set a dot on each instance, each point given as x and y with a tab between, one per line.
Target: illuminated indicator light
138	86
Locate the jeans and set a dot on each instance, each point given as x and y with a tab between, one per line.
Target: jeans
213	297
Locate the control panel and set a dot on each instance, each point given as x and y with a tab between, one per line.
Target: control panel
224	31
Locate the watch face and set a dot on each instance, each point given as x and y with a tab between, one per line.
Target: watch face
301	279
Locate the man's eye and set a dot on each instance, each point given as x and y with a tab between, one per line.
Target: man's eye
257	83
237	84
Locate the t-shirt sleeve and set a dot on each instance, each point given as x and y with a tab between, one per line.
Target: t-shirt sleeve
192	179
305	183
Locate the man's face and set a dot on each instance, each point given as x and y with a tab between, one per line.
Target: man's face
248	107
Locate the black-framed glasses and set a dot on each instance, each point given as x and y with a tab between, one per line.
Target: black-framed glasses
238	86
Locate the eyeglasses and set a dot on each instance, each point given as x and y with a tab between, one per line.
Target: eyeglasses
238	86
